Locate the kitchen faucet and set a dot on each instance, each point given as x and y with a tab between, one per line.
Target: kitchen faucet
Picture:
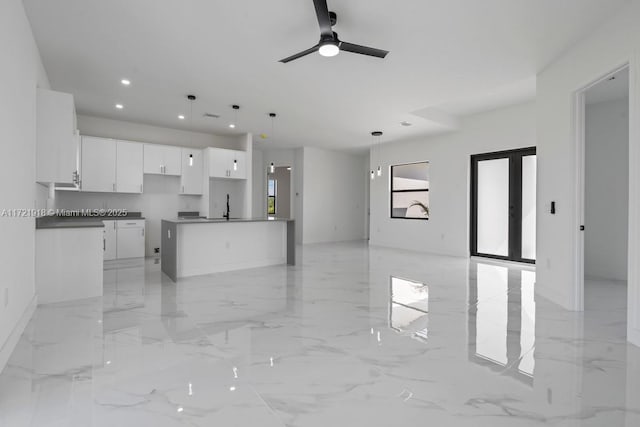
227	214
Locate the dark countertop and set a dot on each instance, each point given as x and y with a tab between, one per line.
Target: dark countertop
82	221
222	220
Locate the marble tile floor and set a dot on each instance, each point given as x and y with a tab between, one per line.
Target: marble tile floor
352	336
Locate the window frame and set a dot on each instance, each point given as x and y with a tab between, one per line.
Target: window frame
275	196
392	191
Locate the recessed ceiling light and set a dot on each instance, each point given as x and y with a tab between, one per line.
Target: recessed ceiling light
232	126
405	123
125	82
181	117
119	106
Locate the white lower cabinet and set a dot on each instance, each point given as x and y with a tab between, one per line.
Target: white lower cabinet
109	241
130	239
123	239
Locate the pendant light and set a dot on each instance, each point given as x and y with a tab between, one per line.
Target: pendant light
272	167
233	124
377	135
191	99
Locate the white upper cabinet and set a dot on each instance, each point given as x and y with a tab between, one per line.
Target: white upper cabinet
173	161
129	160
162	159
192	171
57	147
227	163
153	159
111	166
98	164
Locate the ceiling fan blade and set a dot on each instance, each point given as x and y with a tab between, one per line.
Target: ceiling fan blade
322	12
299	54
363	50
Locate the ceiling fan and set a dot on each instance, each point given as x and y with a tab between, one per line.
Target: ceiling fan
330	44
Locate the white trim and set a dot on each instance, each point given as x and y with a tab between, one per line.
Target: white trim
633	273
579	122
16	333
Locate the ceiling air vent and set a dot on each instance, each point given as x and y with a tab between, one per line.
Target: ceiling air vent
212	116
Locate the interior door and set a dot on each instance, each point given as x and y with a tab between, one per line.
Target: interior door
503	205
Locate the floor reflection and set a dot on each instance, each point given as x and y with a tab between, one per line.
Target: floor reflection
409	308
501	319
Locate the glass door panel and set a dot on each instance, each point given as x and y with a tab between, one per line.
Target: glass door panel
493	207
529	207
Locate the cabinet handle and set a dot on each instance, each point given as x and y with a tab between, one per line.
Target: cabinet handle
114	186
143	232
168	234
104	245
183	188
141	188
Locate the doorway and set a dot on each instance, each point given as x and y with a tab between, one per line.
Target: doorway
503	205
279	192
604	193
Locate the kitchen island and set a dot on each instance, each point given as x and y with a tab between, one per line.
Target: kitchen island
193	247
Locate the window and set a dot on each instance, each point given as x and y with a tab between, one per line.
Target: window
410	191
271	196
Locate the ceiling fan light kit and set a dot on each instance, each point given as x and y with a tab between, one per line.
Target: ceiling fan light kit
330	44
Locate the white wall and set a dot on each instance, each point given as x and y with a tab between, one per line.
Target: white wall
334	196
298	185
612	45
21	71
120	129
447	230
607	189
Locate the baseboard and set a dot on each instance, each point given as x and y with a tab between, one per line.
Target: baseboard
555	297
14	336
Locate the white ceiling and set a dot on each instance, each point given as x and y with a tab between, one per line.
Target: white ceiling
610	89
457	56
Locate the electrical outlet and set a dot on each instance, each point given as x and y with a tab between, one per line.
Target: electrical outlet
6	297
156	250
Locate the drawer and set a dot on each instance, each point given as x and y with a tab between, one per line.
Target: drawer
130	223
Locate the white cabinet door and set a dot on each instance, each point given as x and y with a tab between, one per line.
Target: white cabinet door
192	170
162	159
57	146
129	160
98	164
109	243
219	163
153	159
238	164
130	239
172	161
